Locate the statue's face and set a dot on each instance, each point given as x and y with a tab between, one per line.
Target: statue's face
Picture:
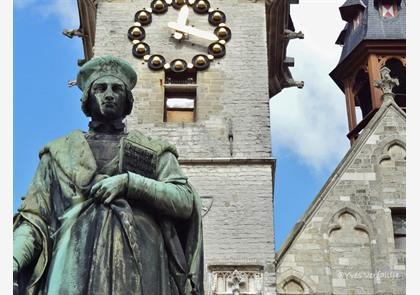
107	100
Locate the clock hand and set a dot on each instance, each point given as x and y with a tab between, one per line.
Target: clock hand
183	15
193	31
182	20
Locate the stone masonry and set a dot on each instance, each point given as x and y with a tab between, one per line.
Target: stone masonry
232	98
346	242
234	89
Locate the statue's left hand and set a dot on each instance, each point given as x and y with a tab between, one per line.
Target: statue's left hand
109	188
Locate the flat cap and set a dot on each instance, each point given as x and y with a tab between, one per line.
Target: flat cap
107	65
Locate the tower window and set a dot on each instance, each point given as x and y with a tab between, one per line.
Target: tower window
398	222
362	95
388	8
398	71
180	97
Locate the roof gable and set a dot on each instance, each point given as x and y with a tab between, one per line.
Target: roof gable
388	108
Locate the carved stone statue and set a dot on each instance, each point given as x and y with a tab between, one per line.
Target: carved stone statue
108	212
386	84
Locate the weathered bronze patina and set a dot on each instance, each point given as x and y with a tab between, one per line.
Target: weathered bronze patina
108	212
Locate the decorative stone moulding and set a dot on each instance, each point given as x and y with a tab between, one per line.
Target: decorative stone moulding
236	280
217	48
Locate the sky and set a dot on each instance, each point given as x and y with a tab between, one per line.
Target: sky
309	125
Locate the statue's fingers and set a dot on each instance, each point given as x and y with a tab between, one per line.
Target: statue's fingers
105	195
110	199
95	189
99	194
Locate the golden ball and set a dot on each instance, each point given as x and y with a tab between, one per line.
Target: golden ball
156	61
136	32
201	4
143	16
200	60
141	48
217	48
179	2
159	5
217	16
179	65
222	32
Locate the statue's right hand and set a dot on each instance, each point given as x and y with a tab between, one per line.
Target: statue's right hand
110	188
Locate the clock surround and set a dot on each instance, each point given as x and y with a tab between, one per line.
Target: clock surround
215	50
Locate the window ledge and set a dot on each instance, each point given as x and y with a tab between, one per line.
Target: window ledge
180	86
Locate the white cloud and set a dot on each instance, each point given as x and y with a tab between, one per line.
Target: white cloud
312	122
65	10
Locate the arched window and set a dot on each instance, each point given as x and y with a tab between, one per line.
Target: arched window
398	71
362	95
293	287
349	249
293	282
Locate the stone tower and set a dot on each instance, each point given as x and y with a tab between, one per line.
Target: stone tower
351	240
210	97
373	37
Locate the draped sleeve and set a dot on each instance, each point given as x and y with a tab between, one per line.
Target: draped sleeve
35	217
170	194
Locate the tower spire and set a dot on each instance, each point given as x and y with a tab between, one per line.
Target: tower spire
373	38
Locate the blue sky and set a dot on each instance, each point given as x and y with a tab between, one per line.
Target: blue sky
308	125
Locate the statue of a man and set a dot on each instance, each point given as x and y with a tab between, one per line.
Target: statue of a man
108	212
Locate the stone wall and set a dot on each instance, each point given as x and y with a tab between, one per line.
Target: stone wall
238	227
234	89
232	96
346	243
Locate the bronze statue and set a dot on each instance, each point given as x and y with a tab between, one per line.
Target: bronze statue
108	212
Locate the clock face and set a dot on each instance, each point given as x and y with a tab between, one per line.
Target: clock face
191	34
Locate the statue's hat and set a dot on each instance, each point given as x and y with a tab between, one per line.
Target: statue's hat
107	65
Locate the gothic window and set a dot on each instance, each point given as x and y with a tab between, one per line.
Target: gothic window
180	104
349	249
293	287
398	223
293	282
388	8
394	154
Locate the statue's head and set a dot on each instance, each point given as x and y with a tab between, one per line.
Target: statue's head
106	82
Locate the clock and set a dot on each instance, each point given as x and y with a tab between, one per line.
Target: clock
180	30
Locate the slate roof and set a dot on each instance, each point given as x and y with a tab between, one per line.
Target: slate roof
352	2
347	9
373	26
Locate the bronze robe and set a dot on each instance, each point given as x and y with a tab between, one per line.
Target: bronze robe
137	245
